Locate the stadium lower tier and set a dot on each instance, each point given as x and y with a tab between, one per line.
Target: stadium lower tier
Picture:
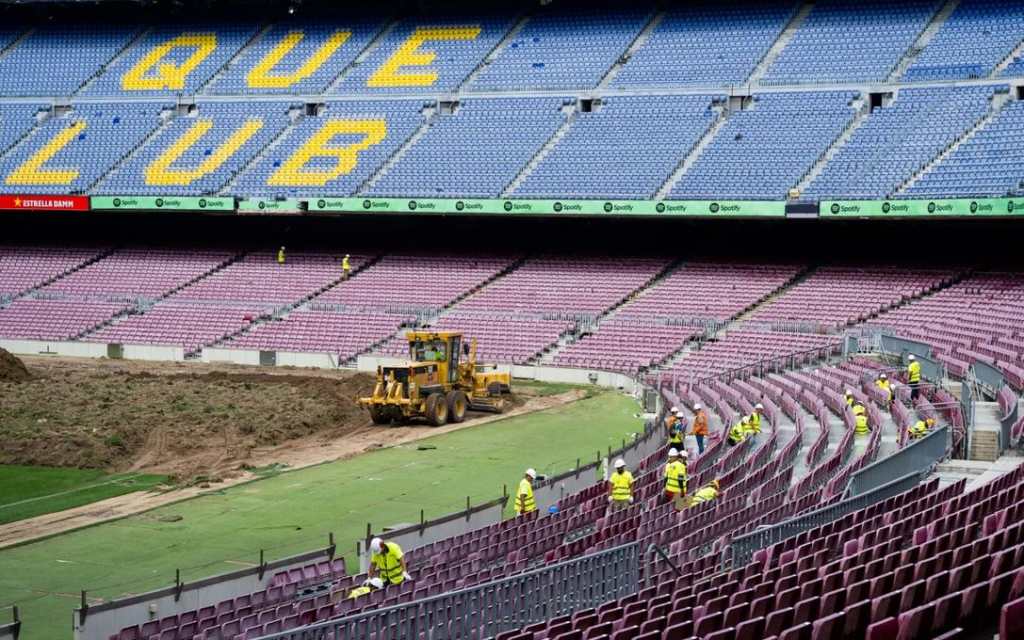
925	562
627	314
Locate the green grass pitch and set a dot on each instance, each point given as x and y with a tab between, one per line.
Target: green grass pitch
293	511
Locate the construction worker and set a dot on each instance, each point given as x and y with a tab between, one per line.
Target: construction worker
674	425
706	493
754	427
914	376
387	562
620	486
700	426
849	398
883	383
920	428
346	267
860	419
858	408
675	475
738	431
524	496
280	255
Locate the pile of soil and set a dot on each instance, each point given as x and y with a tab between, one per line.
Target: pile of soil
12	369
186	421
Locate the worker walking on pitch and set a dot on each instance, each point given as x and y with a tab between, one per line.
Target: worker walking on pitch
675	475
280	255
346	267
524	495
707	493
914	377
620	486
883	383
387	562
700	426
920	428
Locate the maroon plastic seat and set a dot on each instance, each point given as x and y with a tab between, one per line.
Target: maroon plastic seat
778	621
1011	619
886	629
752	629
728	633
799	632
678	632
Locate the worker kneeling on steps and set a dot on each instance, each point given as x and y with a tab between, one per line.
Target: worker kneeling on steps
707	493
920	428
739	431
620	490
387	562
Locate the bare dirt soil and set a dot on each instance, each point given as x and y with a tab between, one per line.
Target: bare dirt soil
11	368
179	419
208	426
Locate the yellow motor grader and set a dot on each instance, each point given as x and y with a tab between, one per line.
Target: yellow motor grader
440	382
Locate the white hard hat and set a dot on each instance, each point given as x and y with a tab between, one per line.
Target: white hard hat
531	472
849	393
882	376
684	454
620	463
674	409
375	545
376	583
759	406
911	357
696	407
673	452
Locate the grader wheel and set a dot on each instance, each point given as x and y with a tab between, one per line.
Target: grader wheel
378	416
437	410
457	405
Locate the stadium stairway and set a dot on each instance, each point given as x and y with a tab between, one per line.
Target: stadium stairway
428	117
862	109
295	305
131	312
1017	52
638	42
512	34
401	332
169	117
548	355
296	117
570	117
96	258
693	154
999	100
923	39
780	43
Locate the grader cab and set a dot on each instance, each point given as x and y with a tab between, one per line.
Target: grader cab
440	382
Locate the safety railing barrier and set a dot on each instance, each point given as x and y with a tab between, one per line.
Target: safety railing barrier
918	457
488	609
11	630
742	548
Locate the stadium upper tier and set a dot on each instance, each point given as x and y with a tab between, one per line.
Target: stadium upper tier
707	101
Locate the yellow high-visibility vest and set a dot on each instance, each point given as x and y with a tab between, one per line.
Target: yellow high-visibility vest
280	256
755	422
675	477
859	410
344	264
918	429
737	432
389	564
861	424
705	494
886	387
914	371
524	498
622	486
